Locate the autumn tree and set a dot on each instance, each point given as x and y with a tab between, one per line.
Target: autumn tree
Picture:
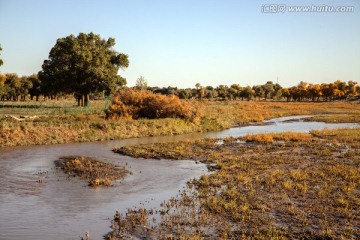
302	91
351	88
286	94
25	85
314	91
82	65
2	86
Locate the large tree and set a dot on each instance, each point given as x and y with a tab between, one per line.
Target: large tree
82	65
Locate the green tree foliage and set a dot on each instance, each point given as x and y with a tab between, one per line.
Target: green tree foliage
269	90
26	84
82	65
247	93
35	90
13	84
223	91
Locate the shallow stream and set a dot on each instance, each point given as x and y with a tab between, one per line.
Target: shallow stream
39	202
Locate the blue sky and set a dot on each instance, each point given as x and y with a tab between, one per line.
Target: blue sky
181	42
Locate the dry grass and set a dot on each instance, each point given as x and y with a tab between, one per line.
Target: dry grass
95	172
336	118
81	127
271	137
304	186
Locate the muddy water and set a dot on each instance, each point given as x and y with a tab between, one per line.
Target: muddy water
39	202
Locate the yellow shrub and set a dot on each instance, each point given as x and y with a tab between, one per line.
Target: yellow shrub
130	103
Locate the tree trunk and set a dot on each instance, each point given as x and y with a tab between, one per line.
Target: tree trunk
86	100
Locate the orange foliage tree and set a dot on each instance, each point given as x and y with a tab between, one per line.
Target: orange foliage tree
130	103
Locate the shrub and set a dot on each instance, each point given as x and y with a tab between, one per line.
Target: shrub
130	103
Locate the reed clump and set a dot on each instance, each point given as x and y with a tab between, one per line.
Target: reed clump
130	103
97	173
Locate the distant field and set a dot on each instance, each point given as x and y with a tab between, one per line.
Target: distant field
41	108
63	121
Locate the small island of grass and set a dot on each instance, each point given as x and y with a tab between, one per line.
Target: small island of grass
97	173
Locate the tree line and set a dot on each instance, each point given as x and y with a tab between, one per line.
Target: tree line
86	65
337	90
15	88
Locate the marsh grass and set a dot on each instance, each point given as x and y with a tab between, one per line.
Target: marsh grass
87	126
348	118
97	173
304	188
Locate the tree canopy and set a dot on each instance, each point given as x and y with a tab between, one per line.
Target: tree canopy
82	65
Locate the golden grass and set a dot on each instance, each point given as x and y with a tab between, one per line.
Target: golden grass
306	187
81	127
285	136
97	173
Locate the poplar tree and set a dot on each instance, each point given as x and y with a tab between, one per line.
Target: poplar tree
82	65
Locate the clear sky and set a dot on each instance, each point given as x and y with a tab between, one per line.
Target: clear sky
182	42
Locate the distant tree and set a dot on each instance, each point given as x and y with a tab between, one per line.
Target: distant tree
351	88
247	93
302	91
259	91
200	90
210	92
141	83
185	93
1	61
340	89
2	87
269	90
172	91
222	91
14	85
35	90
234	91
314	91
287	94
277	91
26	84
82	65
327	90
